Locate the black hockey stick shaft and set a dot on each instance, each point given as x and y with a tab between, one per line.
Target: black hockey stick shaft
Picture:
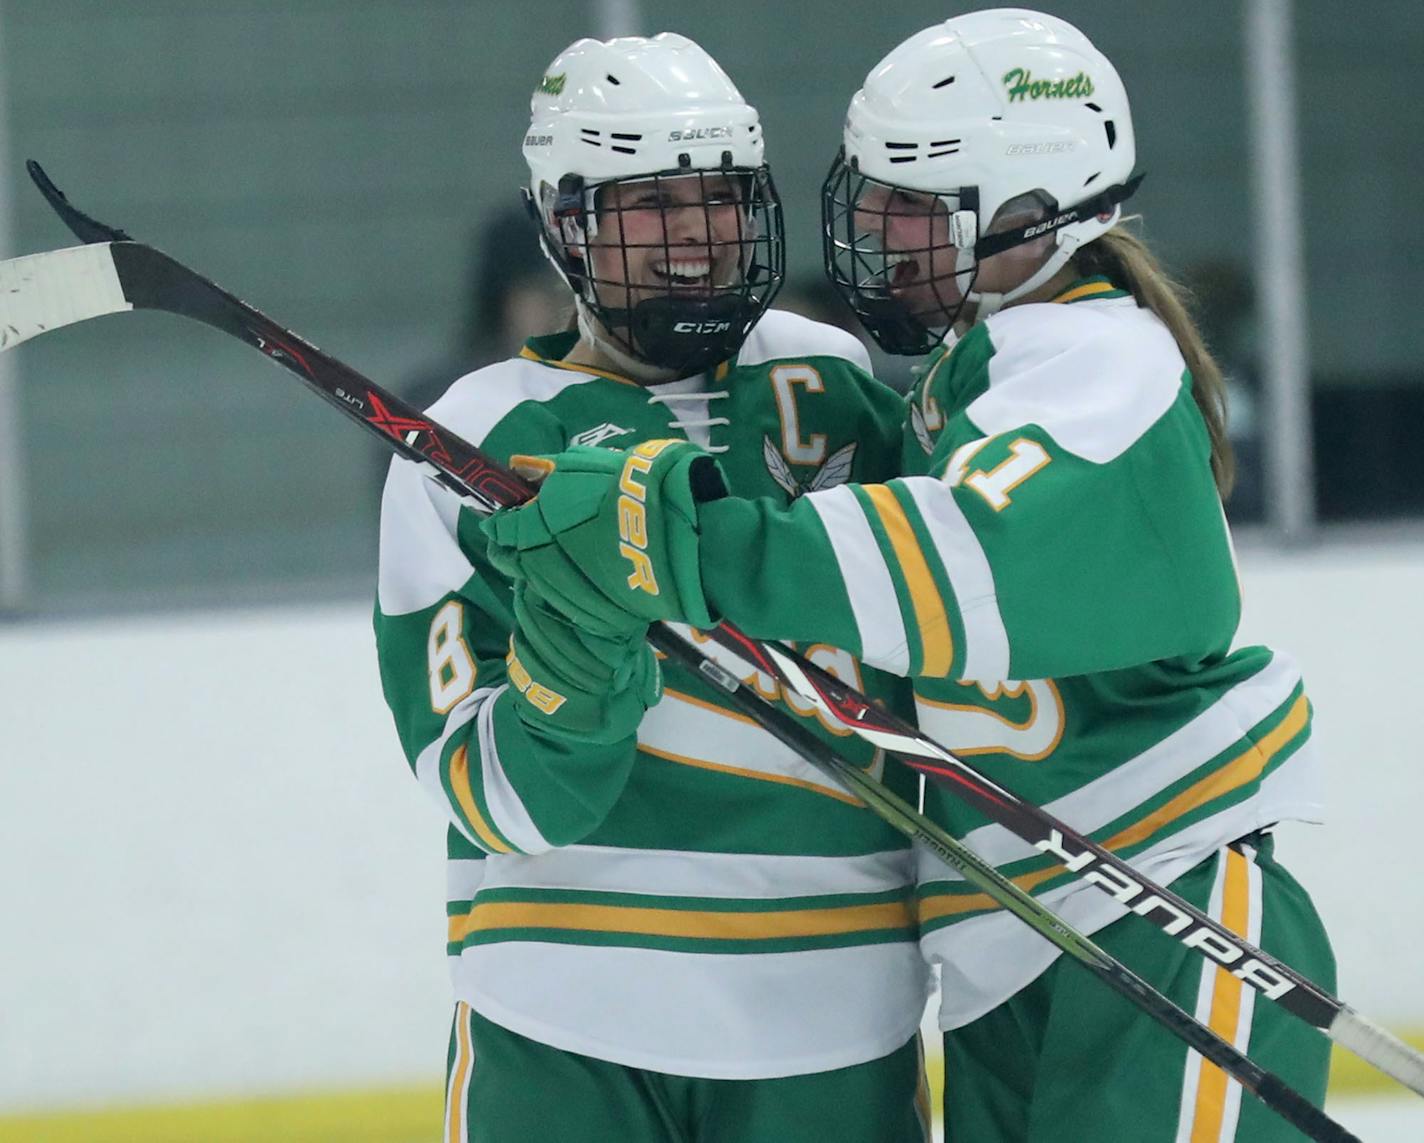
152	280
1266	1086
1085	858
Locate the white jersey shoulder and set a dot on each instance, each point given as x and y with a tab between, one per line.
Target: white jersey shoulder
420	557
781	335
1095	374
478	401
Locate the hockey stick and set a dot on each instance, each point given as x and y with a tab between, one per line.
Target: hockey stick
48	291
1086	859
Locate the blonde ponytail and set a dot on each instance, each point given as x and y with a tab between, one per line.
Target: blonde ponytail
1124	259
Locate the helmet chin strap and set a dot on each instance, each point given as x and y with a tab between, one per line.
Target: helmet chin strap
593	332
987	303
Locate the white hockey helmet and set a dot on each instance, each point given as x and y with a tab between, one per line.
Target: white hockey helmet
978	111
633	109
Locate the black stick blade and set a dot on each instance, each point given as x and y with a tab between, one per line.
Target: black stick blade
86	229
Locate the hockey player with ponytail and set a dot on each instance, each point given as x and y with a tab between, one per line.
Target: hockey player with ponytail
663	924
1053	569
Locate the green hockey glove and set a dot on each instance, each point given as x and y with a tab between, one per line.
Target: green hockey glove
614	534
576	684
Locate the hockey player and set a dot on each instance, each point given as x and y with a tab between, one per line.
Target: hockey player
663	925
1053	569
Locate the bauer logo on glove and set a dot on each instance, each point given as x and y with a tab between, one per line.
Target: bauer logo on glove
633	515
546	700
612	534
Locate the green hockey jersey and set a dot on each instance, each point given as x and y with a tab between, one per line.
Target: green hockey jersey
708	904
1056	573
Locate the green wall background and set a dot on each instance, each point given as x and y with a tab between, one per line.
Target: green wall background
330	161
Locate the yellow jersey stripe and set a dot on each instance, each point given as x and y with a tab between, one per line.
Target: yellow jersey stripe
460	784
1244	768
936	642
529	355
704	924
456	1096
1087	290
1210	1108
934	907
758	775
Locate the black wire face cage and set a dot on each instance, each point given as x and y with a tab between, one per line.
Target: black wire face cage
678	266
887	254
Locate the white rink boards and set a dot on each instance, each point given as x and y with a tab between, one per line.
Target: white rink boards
220	870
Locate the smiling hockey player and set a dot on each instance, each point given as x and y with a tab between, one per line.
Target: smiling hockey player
663	924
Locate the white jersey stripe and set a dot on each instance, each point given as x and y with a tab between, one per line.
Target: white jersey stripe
427	763
1211	1103
680	873
985	655
503	802
986	958
506	809
463	876
680	729
873	599
543	991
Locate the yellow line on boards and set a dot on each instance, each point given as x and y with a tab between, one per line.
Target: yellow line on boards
385	1115
1350	1075
408	1114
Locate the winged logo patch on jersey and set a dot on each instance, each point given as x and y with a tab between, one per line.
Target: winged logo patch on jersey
598	434
835	470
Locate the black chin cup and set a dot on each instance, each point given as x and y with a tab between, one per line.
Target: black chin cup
895	329
688	335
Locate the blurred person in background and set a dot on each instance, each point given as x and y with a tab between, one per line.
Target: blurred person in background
513	294
1054	571
663	924
1225	303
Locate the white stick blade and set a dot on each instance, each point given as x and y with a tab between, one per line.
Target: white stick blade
1377	1046
40	292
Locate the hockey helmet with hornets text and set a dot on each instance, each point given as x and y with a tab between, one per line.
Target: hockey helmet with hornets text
653	198
1006	112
